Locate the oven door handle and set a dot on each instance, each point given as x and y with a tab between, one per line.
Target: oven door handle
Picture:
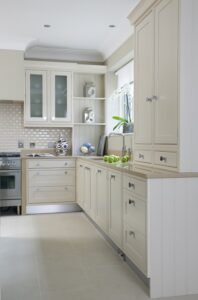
9	172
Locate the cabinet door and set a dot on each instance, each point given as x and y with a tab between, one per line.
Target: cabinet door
88	191
60	96
80	184
144	80
115	208
35	104
166	72
101	195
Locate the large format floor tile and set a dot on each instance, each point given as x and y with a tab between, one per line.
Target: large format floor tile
62	257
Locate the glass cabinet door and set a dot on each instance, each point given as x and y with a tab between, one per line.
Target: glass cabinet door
36	96
61	96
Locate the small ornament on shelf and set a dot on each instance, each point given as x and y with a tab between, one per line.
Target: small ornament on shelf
90	90
88	115
87	148
61	146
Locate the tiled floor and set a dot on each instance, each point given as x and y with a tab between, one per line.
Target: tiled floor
62	257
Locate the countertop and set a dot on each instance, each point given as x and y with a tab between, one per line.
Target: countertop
128	168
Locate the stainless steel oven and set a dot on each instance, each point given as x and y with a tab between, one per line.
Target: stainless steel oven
10	179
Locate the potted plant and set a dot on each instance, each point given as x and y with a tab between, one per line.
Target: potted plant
127	124
126	121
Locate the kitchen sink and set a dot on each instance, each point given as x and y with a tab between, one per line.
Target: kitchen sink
40	155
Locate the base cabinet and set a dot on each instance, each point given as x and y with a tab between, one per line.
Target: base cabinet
50	181
101	198
115	207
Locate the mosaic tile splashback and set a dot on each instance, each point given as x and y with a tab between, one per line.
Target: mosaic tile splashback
12	130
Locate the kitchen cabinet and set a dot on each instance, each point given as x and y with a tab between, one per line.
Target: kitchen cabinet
80	183
88	190
50	181
48	97
135	221
115	207
12	78
86	187
101	198
156	80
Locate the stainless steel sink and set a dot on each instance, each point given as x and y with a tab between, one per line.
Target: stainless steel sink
40	155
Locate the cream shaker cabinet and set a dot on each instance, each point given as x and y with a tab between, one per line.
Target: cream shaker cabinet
48	98
156	81
115	207
144	85
12	79
101	198
50	181
85	187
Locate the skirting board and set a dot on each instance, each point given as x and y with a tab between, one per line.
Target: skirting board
52	208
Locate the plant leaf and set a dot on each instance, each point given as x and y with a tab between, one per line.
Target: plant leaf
120	119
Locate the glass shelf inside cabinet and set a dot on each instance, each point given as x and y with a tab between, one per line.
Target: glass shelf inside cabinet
60	96
36	96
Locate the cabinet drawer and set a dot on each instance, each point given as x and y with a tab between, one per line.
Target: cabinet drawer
50	163
55	177
136	186
166	158
143	156
51	194
134	245
135	212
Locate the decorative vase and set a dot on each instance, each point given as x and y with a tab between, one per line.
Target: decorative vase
128	127
61	146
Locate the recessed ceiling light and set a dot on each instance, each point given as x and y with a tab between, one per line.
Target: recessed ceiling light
112	26
47	25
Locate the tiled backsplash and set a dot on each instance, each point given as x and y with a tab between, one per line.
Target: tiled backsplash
12	130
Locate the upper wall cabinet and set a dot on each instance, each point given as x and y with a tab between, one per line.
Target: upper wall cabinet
156	82
48	97
156	75
12	78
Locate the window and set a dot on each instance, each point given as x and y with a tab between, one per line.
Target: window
121	101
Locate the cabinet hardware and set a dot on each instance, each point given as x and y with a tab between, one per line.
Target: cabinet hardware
66	164
87	168
132	233
81	166
141	155
163	158
155	97
112	176
99	171
65	173
131	185
149	99
132	202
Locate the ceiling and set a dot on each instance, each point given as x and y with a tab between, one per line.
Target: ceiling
75	24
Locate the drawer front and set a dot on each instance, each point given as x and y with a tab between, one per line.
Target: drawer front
168	159
51	194
143	156
135	212
56	177
50	163
134	185
135	247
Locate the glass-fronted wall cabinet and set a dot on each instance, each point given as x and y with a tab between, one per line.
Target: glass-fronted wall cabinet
48	98
60	97
36	96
